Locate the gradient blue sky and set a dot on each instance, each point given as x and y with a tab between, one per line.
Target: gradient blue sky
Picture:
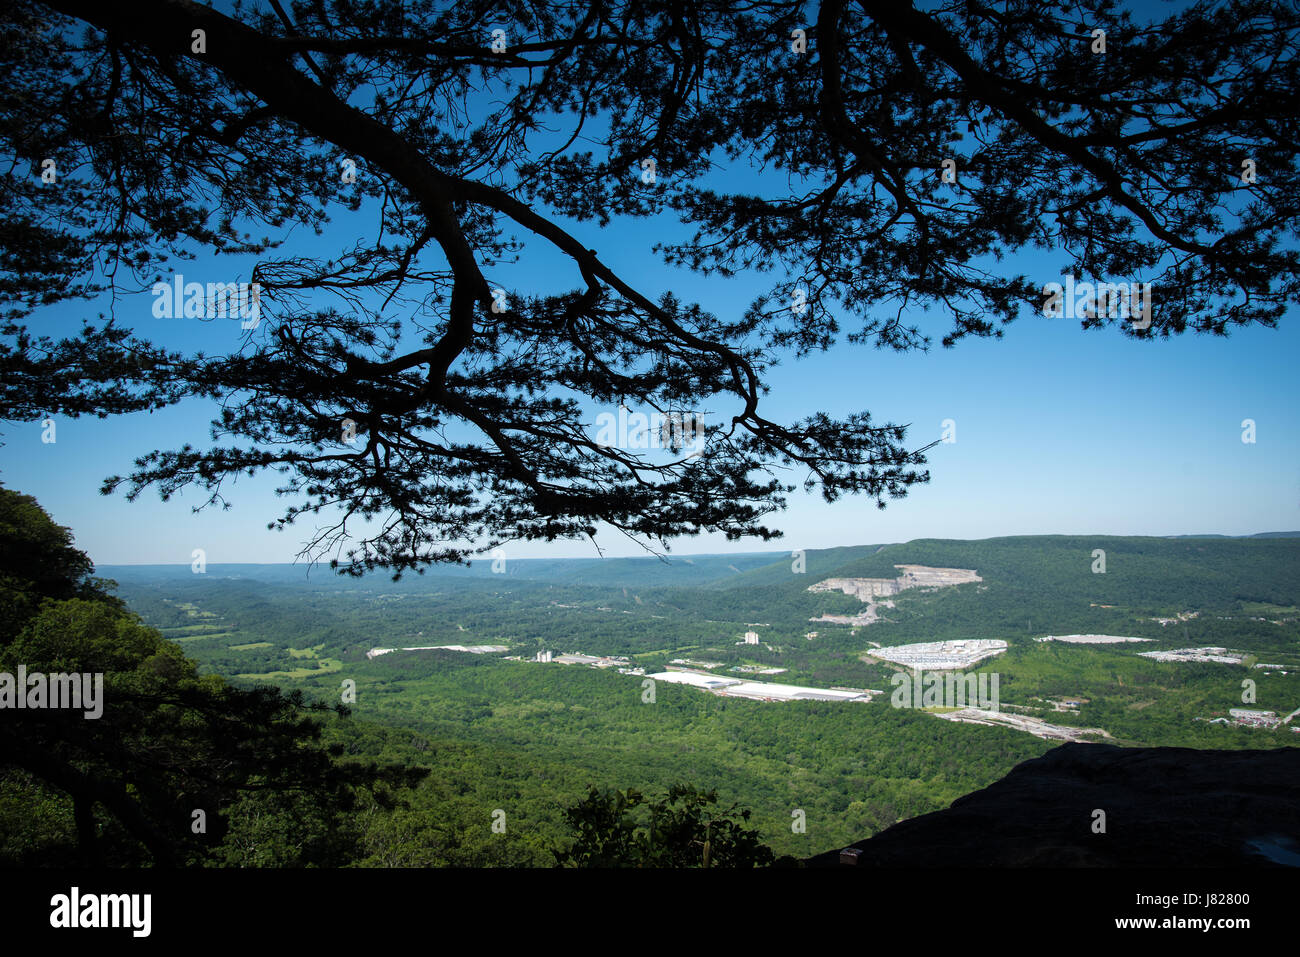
1058	430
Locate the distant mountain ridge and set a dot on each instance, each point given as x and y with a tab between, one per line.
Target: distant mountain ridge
751	569
1256	535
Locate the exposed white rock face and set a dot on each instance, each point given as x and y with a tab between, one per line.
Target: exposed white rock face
869	589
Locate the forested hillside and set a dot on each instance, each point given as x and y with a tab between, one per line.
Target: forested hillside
529	739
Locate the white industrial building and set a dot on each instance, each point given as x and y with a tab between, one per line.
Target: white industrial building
763	690
1091	639
1217	655
942	655
471	649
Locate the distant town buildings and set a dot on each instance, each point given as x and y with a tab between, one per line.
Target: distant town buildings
1068	705
593	661
1180	617
1254	719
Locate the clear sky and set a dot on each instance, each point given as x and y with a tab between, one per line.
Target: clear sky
1057	430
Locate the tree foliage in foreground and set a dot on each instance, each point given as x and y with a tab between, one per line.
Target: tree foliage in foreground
122	789
682	829
179	130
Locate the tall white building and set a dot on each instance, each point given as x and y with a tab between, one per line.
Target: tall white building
751	637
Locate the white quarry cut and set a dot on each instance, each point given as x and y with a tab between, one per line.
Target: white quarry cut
870	589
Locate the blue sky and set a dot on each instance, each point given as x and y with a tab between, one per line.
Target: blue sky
1057	430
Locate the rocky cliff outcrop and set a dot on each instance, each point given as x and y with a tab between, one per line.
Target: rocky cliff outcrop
1164	807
